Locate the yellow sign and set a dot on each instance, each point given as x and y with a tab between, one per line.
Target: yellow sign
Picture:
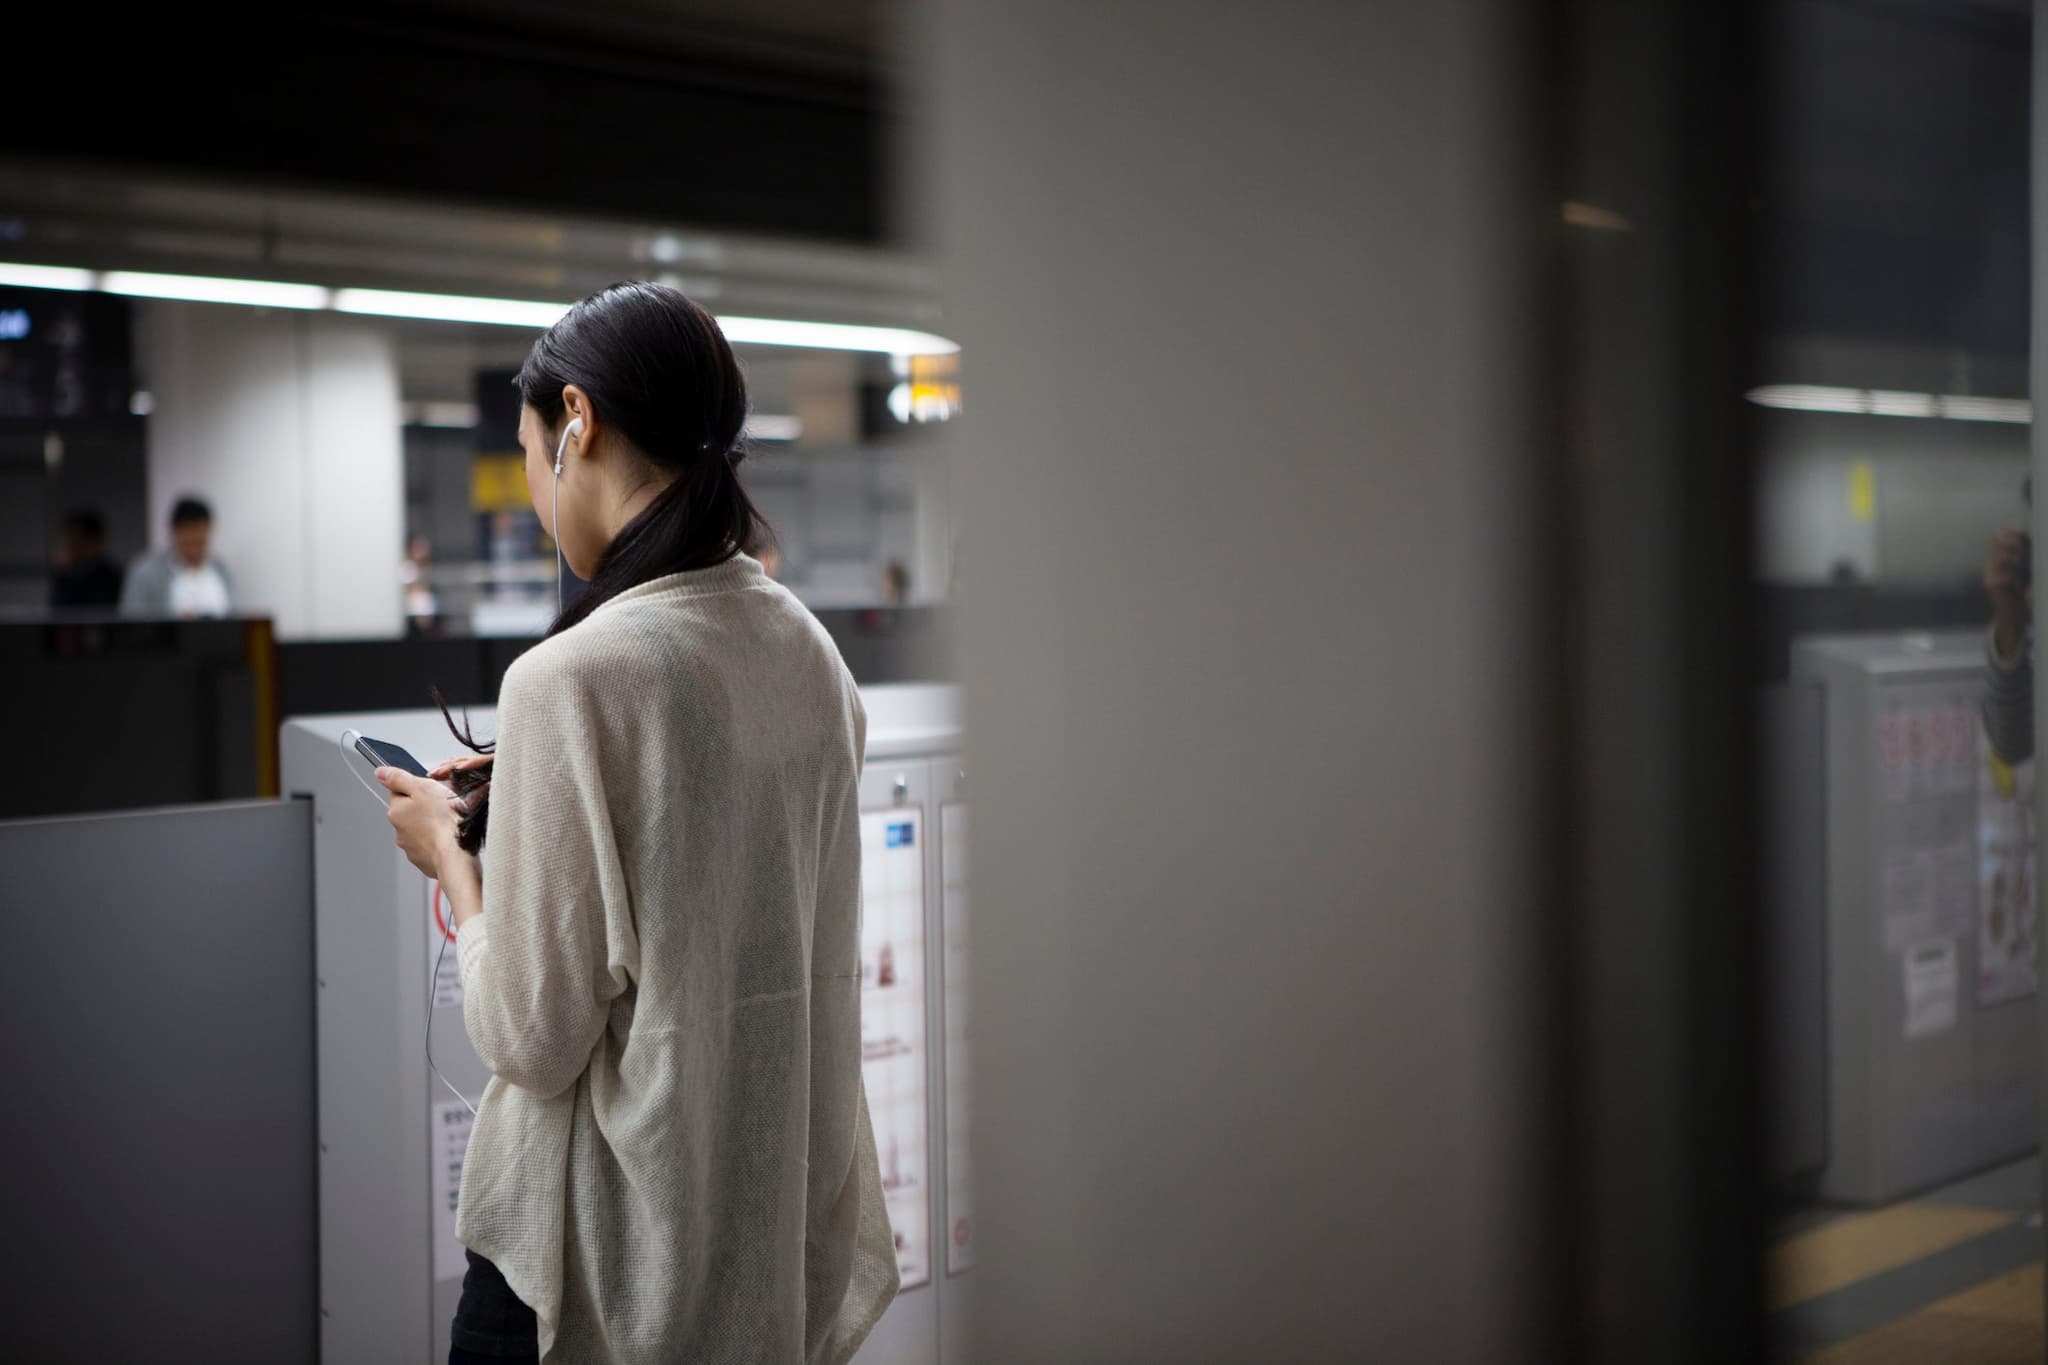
497	483
1862	491
933	393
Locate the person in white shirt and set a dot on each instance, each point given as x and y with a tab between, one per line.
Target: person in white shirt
183	579
660	951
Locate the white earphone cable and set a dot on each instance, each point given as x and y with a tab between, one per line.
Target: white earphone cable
555	506
347	747
348	755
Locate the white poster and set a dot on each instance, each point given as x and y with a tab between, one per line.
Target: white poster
444	973
1931	987
959	1054
446	1145
2008	934
892	1025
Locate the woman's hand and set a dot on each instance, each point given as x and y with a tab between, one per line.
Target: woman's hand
426	817
449	766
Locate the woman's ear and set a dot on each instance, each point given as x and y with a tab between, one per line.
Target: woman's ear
576	404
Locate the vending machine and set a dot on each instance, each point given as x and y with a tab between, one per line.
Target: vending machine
1932	932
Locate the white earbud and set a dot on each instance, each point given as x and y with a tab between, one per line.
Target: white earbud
575	428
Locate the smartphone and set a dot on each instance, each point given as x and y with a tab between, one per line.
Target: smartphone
384	754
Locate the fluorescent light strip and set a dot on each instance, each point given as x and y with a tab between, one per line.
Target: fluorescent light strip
833	336
448	308
1890	403
45	277
828	336
1954	407
1967	409
201	289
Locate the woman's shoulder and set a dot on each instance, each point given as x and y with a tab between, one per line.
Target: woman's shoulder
662	643
577	652
628	646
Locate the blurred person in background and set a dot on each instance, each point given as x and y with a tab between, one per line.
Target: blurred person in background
895	583
422	608
183	579
85	576
2008	692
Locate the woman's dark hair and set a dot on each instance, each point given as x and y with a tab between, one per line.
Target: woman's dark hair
472	785
659	372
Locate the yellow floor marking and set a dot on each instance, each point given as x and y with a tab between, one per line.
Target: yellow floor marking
1865	1244
1998	1322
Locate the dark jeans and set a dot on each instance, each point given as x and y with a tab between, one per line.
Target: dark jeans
491	1325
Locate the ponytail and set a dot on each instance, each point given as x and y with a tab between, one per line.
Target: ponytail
702	519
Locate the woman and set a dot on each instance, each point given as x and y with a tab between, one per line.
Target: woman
660	963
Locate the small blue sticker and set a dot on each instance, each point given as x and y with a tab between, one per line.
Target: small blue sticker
903	835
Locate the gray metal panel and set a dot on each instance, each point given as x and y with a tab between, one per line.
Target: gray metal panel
159	1123
2006	1079
1793	718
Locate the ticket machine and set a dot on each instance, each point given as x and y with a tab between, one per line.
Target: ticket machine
392	1132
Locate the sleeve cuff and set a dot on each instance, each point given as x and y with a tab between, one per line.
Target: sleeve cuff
2002	662
470	941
